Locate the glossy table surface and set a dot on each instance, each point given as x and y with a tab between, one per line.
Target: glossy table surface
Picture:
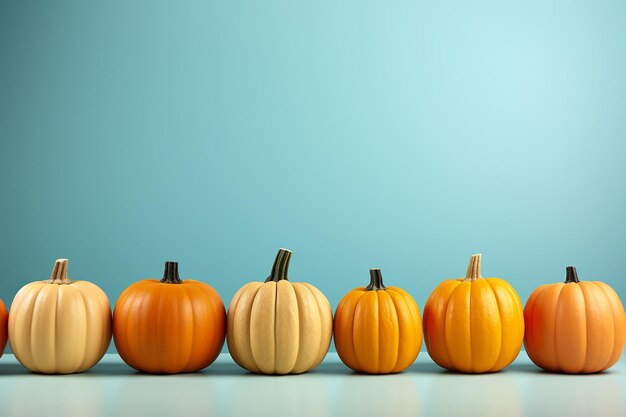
223	389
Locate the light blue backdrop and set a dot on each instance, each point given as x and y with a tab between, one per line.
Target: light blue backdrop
399	135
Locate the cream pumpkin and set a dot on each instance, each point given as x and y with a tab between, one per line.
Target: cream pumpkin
277	326
59	326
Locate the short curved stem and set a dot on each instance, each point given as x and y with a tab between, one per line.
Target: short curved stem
376	280
59	272
280	269
571	275
473	269
170	274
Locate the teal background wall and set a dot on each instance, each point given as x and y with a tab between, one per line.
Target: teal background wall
401	135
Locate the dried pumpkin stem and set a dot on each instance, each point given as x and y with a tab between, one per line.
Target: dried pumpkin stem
59	272
281	266
376	280
170	275
571	275
473	269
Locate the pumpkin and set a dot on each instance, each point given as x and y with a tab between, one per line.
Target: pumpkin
574	327
377	328
169	326
59	326
278	326
473	324
4	321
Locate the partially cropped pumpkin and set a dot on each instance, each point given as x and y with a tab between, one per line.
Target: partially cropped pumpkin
473	324
59	326
574	327
169	326
4	321
377	328
277	326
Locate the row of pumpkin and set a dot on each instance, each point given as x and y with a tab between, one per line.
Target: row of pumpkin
471	324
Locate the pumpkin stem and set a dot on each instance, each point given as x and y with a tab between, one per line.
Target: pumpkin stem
376	280
281	266
473	269
571	275
170	275
59	272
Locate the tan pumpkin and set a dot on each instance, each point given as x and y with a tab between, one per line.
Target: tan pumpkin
59	326
277	326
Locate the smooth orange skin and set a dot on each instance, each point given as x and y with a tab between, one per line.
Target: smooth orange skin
4	320
169	328
473	326
575	328
378	332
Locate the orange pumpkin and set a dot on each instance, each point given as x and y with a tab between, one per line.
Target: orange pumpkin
4	320
169	326
378	328
574	327
473	324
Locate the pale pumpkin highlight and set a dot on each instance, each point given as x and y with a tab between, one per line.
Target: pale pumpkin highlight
59	326
277	326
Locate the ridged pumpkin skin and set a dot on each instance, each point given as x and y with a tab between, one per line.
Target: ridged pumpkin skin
169	326
378	329
574	327
59	326
4	322
277	326
473	325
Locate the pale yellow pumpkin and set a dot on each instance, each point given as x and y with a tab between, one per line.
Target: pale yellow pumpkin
59	326
277	326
